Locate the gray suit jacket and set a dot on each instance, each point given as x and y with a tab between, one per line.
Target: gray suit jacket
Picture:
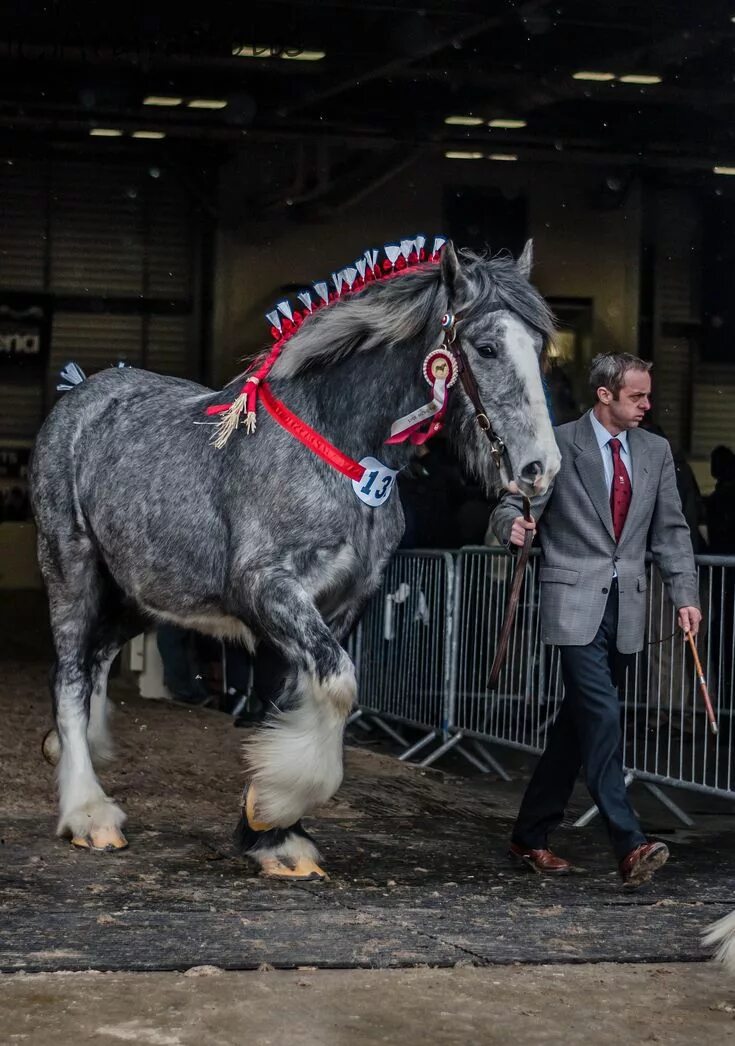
579	552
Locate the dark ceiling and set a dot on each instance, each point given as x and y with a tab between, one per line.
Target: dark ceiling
391	73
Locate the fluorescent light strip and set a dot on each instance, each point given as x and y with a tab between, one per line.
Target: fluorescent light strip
160	99
291	54
148	134
723	170
303	56
464	121
640	78
459	154
506	157
585	74
508	124
105	132
252	51
206	103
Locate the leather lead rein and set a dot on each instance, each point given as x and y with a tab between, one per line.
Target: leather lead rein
499	455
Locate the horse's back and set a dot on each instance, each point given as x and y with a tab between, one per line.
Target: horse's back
101	413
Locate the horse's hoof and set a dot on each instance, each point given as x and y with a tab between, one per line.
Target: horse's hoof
51	748
104	840
303	870
253	822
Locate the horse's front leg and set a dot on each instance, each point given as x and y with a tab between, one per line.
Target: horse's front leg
294	762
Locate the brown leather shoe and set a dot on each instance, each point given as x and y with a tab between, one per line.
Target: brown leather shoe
637	867
542	861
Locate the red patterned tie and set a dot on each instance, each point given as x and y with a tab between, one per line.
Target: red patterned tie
621	491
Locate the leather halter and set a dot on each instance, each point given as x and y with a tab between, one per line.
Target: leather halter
469	384
501	458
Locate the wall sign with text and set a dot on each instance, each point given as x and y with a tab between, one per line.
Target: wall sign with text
25	336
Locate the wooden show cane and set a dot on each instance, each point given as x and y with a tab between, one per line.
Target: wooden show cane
512	606
702	684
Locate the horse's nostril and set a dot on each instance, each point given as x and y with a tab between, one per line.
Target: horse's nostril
532	471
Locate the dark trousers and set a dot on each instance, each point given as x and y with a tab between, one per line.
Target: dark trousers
586	733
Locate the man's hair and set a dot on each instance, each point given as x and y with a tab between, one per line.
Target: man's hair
609	369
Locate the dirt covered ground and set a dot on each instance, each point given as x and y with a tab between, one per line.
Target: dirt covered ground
424	932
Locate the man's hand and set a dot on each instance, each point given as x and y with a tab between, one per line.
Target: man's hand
689	618
519	528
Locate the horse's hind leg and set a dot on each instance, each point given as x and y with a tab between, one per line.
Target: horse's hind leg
108	636
76	591
295	761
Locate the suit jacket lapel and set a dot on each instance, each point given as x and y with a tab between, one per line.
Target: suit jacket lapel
590	468
641	479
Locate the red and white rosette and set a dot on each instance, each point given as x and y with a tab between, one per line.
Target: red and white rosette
441	371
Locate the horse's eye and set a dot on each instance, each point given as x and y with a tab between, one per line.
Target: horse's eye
488	351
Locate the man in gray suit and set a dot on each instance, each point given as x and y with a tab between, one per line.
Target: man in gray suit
614	497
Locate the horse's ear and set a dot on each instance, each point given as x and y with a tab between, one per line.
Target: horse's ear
525	262
451	271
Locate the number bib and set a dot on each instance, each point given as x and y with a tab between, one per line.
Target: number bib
376	484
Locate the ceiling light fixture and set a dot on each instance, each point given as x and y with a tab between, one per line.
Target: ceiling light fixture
508	124
251	51
461	154
148	134
292	54
105	132
161	99
206	103
464	121
723	170
585	74
506	157
640	78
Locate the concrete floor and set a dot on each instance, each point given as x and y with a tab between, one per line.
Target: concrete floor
679	1005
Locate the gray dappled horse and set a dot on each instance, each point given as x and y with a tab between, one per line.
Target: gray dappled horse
141	519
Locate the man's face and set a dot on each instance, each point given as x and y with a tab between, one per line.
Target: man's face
627	409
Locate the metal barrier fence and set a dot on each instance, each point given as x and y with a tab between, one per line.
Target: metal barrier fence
402	647
426	644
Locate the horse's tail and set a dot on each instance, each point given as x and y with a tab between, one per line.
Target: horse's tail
721	935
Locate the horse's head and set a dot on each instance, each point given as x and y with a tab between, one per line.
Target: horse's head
501	324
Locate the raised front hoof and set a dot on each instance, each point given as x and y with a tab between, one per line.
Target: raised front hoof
50	747
302	870
101	840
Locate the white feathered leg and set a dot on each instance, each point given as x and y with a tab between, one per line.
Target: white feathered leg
721	936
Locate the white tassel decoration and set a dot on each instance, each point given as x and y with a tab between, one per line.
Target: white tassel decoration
284	307
71	375
322	290
392	250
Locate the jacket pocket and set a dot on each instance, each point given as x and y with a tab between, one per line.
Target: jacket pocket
641	583
558	575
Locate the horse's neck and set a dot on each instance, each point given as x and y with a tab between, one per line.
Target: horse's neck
354	403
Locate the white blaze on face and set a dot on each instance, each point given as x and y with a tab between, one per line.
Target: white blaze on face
522	355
